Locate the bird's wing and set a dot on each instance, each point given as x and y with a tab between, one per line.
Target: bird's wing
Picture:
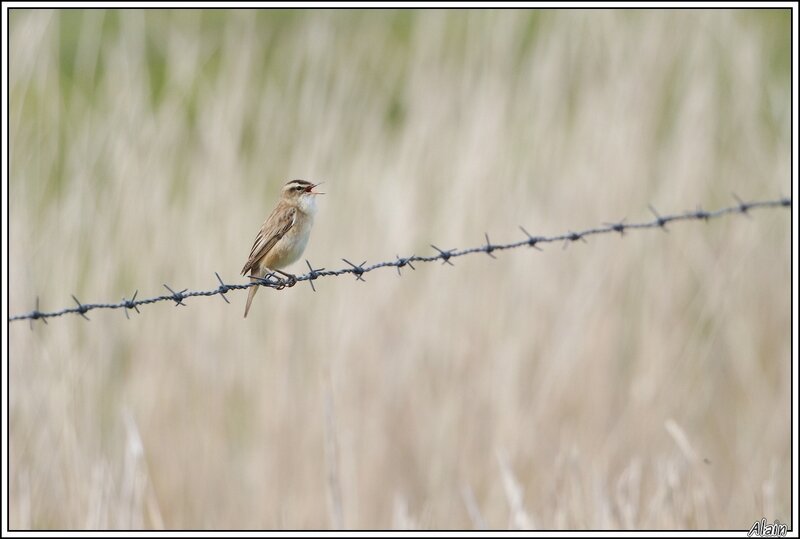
273	229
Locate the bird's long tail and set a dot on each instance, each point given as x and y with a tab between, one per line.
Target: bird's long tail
250	294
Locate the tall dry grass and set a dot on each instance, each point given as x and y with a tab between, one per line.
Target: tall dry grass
640	382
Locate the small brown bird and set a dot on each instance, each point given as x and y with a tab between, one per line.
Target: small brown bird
284	235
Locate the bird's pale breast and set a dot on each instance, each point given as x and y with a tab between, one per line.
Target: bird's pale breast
291	246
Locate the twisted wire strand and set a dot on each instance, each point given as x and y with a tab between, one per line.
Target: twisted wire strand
443	255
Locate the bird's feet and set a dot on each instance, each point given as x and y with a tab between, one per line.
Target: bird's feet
291	280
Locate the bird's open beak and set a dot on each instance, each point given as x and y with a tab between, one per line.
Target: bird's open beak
311	189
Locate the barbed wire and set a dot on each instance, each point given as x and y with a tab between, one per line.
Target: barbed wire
443	255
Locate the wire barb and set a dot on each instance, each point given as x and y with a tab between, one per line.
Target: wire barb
489	247
131	304
222	288
743	206
358	270
444	255
276	283
532	241
312	274
81	308
661	221
36	315
573	237
177	296
618	226
403	262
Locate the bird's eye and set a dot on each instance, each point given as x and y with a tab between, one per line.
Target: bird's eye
298	188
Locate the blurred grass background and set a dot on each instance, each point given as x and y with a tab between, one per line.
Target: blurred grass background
625	383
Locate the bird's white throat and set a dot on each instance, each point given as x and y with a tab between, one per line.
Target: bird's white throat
308	204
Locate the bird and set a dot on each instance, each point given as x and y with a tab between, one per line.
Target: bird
284	235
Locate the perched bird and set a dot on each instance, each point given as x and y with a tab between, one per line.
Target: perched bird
284	235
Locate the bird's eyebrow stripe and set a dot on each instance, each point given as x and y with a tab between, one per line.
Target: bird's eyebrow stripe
299	182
